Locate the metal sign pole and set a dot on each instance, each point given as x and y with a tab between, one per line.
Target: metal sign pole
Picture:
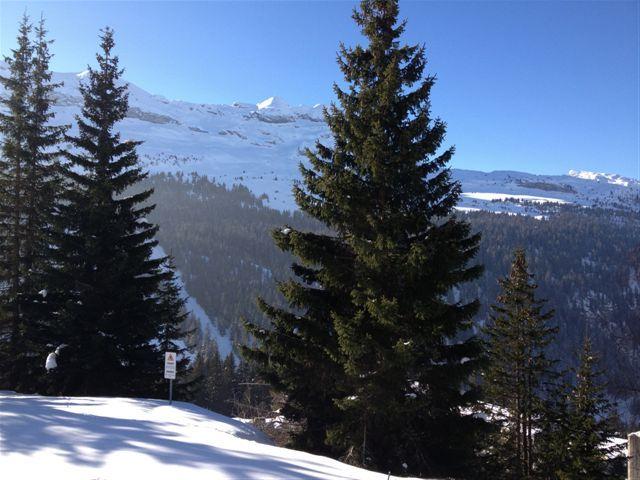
170	391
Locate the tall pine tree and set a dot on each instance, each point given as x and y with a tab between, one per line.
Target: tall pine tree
591	453
518	370
113	313
14	126
372	333
28	182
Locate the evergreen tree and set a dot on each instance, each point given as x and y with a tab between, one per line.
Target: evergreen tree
115	309
298	355
42	197
171	315
216	389
518	369
552	438
372	333
14	126
590	452
28	180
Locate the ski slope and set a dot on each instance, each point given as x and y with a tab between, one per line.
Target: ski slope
90	438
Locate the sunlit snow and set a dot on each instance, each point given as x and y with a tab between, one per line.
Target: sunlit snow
82	438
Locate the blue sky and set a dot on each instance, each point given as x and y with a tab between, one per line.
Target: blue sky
539	86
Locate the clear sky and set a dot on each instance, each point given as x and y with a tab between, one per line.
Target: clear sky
539	86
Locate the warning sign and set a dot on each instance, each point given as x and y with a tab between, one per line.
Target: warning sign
170	365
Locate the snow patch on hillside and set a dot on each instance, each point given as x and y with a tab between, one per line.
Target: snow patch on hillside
81	438
529	194
490	196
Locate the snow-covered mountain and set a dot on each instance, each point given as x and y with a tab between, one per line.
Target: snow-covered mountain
529	194
259	146
78	438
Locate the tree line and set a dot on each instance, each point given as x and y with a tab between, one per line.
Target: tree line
584	259
78	274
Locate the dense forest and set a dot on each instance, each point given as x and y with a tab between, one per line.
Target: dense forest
583	260
219	237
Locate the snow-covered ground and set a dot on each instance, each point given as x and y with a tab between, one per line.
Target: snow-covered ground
259	145
83	438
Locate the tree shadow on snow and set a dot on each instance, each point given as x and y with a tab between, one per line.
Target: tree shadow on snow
33	423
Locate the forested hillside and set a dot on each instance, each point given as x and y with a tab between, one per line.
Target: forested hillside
585	262
219	237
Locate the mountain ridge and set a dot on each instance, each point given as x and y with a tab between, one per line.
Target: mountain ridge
259	145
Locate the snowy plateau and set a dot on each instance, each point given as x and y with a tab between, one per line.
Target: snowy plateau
82	438
259	145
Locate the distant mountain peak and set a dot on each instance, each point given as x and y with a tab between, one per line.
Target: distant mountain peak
612	178
275	103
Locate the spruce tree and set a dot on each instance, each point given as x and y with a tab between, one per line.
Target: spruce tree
114	307
371	332
214	391
28	182
551	441
14	126
42	197
590	452
518	371
171	315
299	354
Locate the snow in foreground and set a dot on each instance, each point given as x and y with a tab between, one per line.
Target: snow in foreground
121	438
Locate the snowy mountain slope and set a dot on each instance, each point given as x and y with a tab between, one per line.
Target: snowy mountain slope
209	329
80	438
529	194
259	145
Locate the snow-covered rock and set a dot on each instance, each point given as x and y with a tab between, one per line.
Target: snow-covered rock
274	103
80	438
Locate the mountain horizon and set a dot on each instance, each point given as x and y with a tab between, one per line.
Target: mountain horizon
259	144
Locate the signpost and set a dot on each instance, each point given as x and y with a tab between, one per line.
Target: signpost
170	371
633	456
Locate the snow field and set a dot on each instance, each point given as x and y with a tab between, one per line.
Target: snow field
82	438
